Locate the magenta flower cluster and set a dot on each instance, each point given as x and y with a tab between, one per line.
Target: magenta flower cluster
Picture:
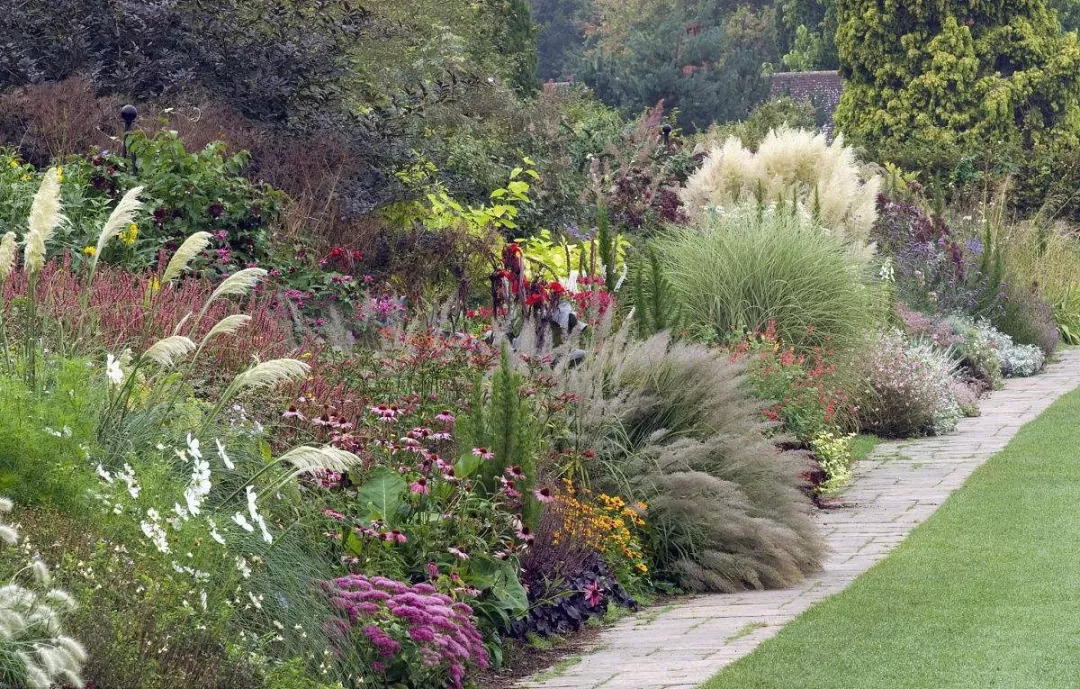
403	622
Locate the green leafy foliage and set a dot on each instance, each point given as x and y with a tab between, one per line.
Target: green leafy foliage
928	82
703	59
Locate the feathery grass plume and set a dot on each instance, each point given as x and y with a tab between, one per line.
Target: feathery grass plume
8	250
270	373
226	326
823	178
167	351
33	650
122	216
72	646
191	248
41	572
306	458
237	285
8	535
62	597
45	217
673	423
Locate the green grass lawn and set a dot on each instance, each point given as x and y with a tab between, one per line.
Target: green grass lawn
986	594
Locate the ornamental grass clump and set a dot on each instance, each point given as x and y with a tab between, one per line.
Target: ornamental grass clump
791	165
907	389
673	425
412	634
34	651
739	272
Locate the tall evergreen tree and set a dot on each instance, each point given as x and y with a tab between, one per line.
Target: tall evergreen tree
562	36
514	37
957	74
703	59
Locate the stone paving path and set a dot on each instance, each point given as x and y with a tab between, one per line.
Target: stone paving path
895	489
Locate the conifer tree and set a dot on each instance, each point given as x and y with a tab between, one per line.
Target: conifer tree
958	75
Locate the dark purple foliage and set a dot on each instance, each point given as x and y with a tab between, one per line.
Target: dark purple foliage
565	605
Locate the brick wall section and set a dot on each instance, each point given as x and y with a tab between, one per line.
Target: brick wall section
822	89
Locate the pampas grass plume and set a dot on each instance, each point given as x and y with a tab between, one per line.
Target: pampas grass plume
306	458
8	250
41	572
226	326
45	217
8	535
167	351
270	373
238	284
191	248
122	216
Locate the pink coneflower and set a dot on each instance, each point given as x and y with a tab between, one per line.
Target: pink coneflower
445	416
593	595
398	536
334	515
544	494
292	413
458	553
515	472
508	488
525	536
420	486
442	436
433	570
483	453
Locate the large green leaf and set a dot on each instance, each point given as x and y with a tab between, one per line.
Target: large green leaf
383	494
467	465
509	591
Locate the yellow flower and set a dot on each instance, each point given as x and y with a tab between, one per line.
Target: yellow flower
129	235
60	174
155	285
642	568
89	250
14	163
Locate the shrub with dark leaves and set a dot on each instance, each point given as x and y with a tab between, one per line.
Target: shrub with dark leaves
565	605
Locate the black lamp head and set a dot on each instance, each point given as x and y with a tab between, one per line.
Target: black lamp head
666	131
129	113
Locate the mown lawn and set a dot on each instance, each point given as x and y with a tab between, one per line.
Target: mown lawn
986	594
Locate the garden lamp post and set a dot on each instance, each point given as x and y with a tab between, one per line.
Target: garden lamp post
665	131
128	113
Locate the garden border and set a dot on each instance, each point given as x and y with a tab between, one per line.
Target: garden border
899	486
